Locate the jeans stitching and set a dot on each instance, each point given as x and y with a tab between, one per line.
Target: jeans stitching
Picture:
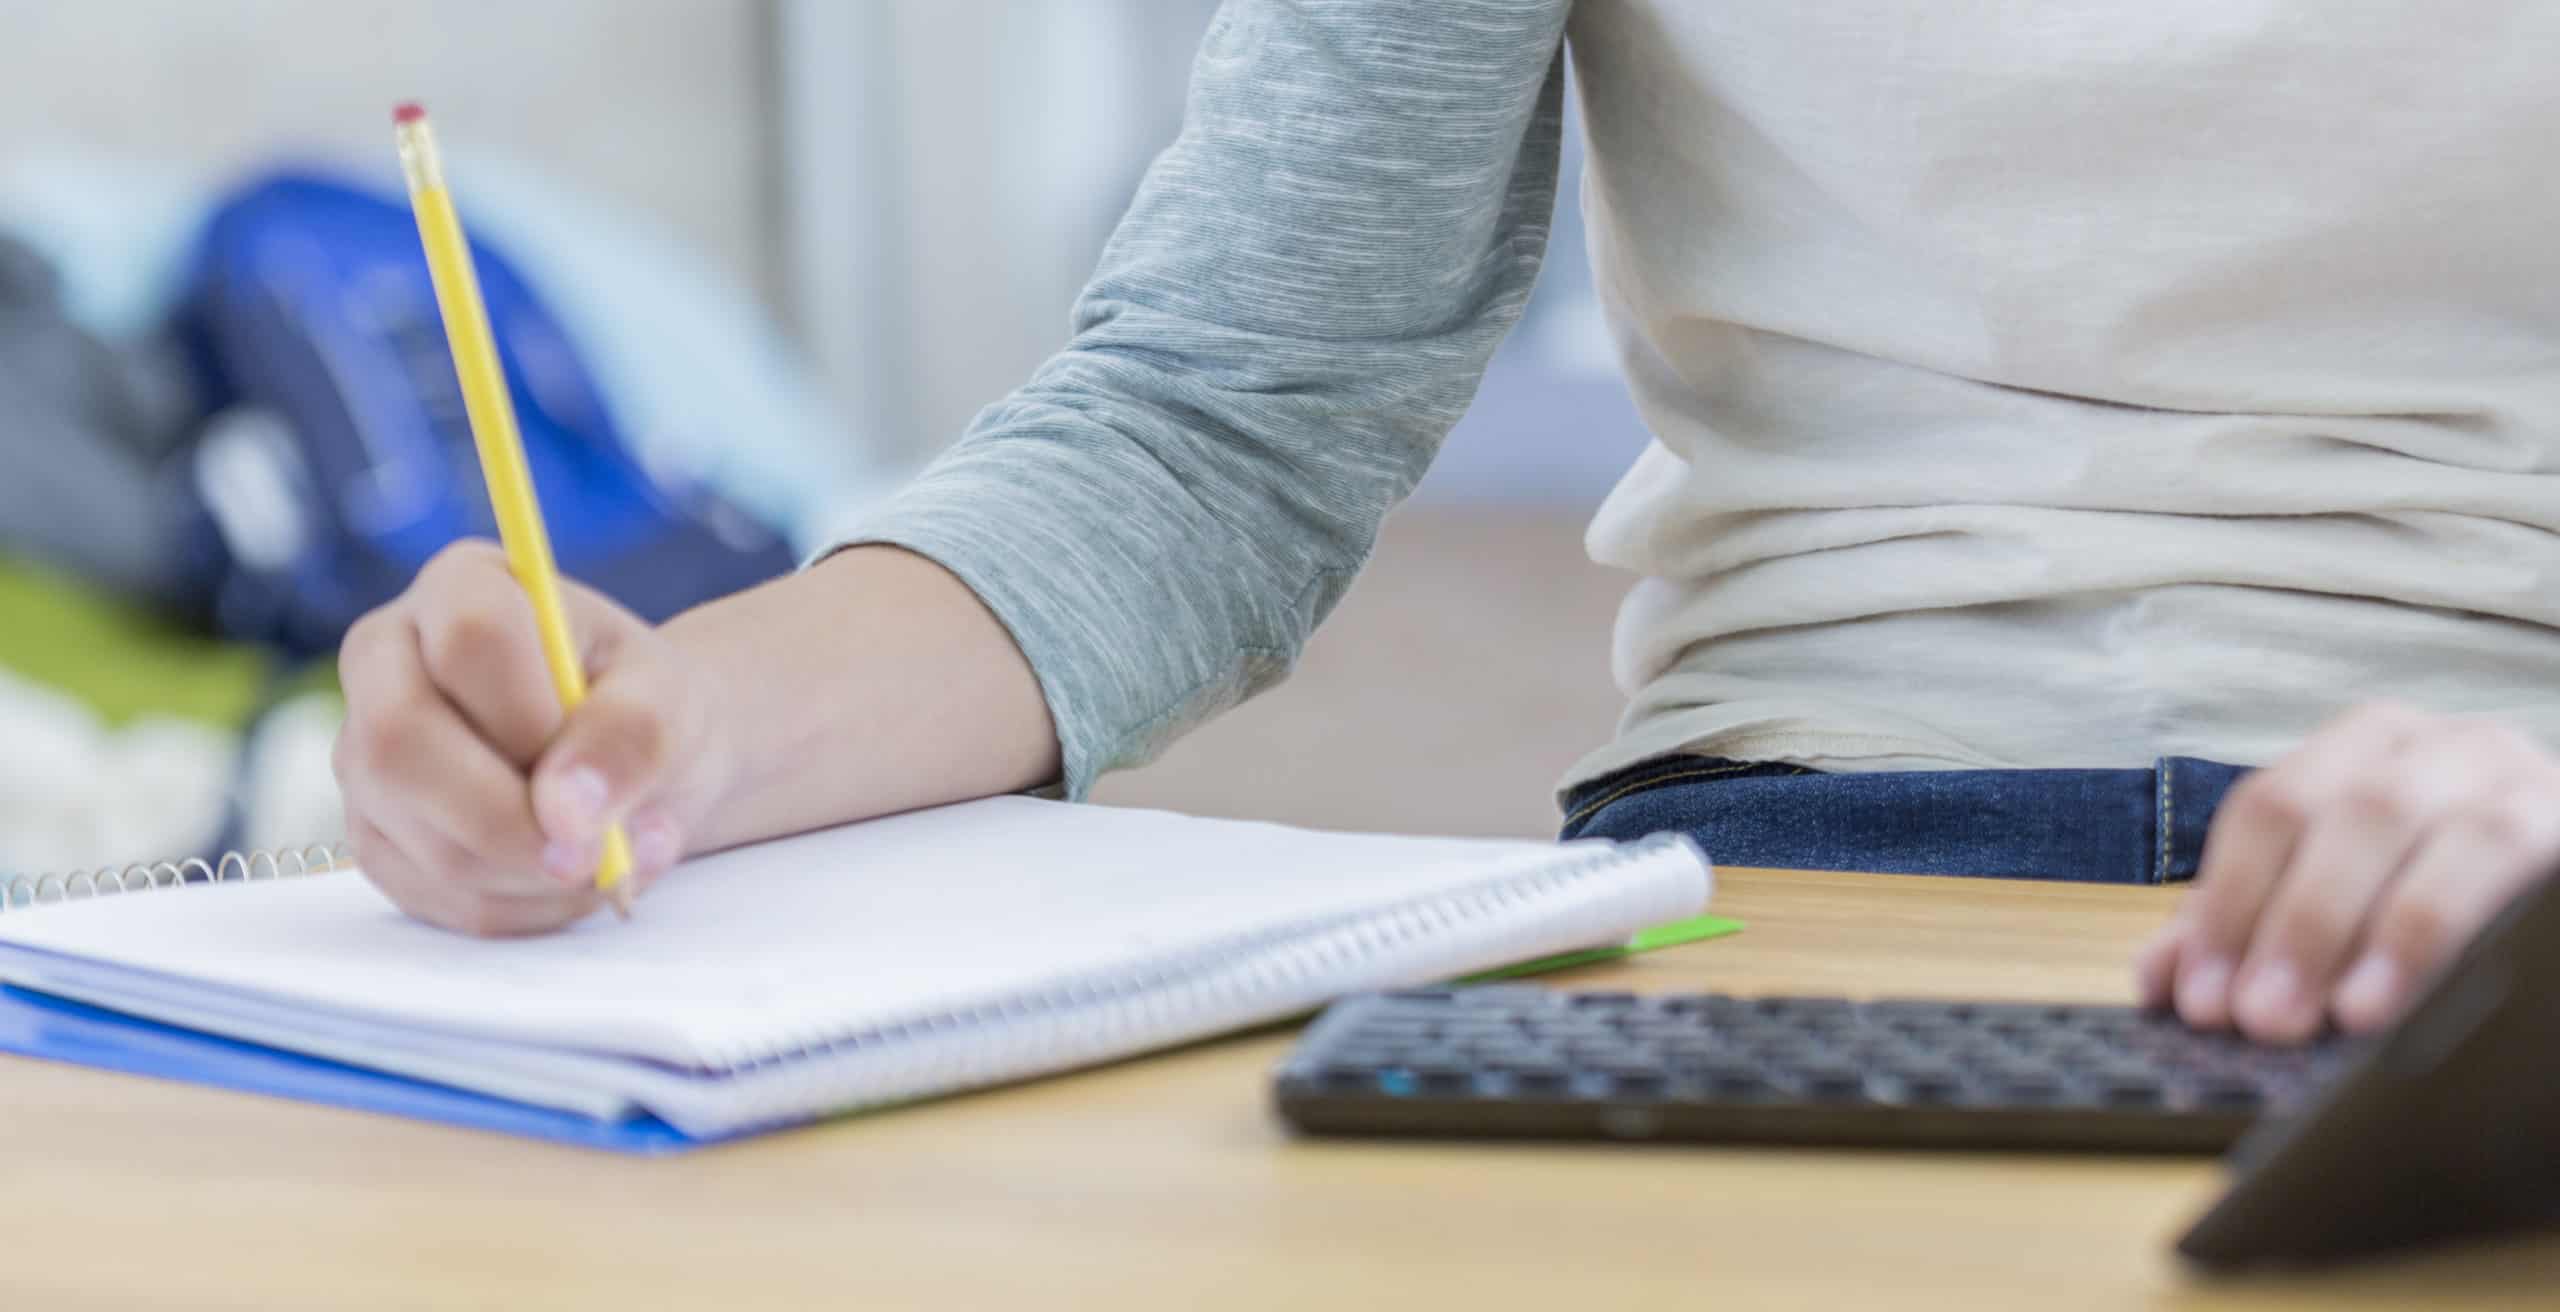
1592	807
2168	819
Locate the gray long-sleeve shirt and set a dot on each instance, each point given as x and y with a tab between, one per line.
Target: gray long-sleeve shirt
2064	388
1292	315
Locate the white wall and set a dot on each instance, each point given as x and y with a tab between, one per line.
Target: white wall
657	104
954	168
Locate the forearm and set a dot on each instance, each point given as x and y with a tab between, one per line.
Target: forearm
870	683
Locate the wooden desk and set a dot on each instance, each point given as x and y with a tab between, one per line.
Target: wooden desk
1165	1183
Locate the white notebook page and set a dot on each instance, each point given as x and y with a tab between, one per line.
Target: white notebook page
785	942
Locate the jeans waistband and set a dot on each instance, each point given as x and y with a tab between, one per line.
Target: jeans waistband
2144	826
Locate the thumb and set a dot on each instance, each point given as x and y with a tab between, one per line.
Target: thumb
2155	967
614	754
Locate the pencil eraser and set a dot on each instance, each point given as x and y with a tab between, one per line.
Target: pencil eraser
408	111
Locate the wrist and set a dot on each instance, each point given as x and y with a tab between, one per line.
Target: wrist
738	748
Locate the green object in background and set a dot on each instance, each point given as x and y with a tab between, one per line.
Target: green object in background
1695	929
121	659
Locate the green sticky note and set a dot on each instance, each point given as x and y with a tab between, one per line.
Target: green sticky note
1696	929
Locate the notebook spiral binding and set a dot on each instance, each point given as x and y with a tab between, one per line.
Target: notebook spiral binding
230	868
1253	978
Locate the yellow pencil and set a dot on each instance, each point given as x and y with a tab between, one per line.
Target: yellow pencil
493	431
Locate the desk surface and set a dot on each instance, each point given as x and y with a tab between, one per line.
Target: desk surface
1166	1183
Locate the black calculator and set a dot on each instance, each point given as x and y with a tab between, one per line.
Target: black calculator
1529	1061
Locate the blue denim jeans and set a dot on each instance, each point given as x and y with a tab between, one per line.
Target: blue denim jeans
2098	826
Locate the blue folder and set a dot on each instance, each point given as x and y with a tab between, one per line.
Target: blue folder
35	1025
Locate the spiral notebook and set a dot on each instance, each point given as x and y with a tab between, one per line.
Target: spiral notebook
878	963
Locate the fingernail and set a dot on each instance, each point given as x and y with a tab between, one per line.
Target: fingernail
2271	996
2370	990
654	842
583	790
2203	992
567	862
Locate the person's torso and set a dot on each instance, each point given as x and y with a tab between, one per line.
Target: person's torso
2075	383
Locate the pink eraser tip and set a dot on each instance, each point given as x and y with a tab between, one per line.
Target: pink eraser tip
409	111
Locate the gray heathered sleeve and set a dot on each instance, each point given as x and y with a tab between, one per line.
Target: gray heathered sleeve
1297	307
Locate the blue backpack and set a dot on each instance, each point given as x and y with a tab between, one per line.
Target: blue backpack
338	458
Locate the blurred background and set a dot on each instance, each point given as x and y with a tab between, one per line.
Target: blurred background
752	262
